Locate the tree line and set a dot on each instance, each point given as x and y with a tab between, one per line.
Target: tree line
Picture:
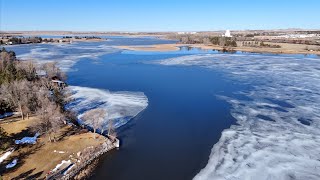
22	40
23	90
28	40
200	39
223	41
28	88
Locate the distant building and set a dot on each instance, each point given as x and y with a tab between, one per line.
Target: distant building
56	82
227	34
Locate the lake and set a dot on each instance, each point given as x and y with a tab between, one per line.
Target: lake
199	114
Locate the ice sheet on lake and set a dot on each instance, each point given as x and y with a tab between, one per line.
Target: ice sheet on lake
121	106
278	136
66	55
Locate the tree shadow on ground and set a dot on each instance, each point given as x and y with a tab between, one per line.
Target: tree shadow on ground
24	175
66	132
5	141
31	149
22	134
28	175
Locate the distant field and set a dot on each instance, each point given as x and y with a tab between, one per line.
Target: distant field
285	48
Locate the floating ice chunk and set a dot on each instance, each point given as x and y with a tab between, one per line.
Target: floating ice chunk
28	140
121	106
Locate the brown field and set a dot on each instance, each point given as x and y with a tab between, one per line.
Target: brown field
35	161
17	126
285	48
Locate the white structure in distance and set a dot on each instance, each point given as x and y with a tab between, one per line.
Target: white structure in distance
227	34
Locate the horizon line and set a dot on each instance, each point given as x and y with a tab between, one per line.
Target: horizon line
123	31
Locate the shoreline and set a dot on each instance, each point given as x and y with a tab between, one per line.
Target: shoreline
59	41
83	157
175	47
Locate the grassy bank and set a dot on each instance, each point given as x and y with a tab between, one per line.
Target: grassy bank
35	161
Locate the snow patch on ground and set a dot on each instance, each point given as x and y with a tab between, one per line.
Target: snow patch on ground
28	140
60	152
59	165
5	156
121	106
7	114
278	136
68	169
12	164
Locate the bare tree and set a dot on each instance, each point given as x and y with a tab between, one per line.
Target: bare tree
31	98
103	124
45	83
52	70
111	129
28	69
95	118
16	94
50	119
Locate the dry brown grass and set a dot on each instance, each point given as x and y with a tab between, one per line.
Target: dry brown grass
285	48
18	125
35	161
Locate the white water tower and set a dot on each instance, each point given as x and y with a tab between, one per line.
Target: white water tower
227	34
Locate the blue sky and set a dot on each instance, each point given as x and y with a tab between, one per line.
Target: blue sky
158	15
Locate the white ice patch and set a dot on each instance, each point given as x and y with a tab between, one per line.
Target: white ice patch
66	55
278	136
121	106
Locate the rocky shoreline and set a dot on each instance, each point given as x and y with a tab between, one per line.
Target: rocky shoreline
87	162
